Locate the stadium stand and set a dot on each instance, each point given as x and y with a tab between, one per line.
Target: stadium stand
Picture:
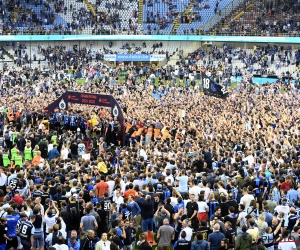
180	17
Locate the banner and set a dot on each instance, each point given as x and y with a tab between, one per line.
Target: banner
212	88
134	57
89	99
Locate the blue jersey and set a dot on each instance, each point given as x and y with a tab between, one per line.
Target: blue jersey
52	119
125	214
66	119
73	120
12	222
80	121
58	116
26	229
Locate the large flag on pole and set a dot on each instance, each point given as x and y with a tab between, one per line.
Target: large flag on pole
213	88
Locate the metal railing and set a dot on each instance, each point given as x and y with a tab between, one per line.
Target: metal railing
199	32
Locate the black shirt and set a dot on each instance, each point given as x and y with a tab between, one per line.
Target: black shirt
3	230
224	208
190	208
127	240
230	235
205	231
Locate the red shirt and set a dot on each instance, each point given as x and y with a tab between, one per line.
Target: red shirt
17	199
285	186
102	187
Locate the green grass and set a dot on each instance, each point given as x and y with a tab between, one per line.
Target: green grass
81	81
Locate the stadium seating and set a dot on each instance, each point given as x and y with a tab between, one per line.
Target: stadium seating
181	17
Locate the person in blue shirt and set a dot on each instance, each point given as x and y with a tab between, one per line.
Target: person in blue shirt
53	153
180	204
135	210
215	238
12	232
72	242
292	194
73	122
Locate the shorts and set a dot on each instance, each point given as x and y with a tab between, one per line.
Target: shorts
147	225
12	243
39	240
137	221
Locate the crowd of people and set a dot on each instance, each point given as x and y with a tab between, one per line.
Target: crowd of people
262	18
184	170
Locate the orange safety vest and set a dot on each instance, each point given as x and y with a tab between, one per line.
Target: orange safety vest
156	132
139	132
128	126
133	134
165	135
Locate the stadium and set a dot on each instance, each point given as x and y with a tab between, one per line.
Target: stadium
149	124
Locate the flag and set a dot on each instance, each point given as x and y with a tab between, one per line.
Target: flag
213	88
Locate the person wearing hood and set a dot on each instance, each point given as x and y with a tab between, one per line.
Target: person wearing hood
199	243
244	240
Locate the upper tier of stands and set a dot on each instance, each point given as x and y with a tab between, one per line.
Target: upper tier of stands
166	17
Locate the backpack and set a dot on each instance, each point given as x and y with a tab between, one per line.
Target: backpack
6	136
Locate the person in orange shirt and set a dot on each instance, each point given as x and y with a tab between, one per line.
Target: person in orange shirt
165	134
102	187
156	132
139	134
37	159
130	191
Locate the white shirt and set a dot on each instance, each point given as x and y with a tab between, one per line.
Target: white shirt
189	233
173	201
202	206
242	217
50	147
207	192
286	245
64	153
195	190
3	179
61	247
170	177
246	199
50	221
119	201
101	246
111	185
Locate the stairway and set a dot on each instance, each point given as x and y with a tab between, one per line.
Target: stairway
9	55
90	7
140	14
176	23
